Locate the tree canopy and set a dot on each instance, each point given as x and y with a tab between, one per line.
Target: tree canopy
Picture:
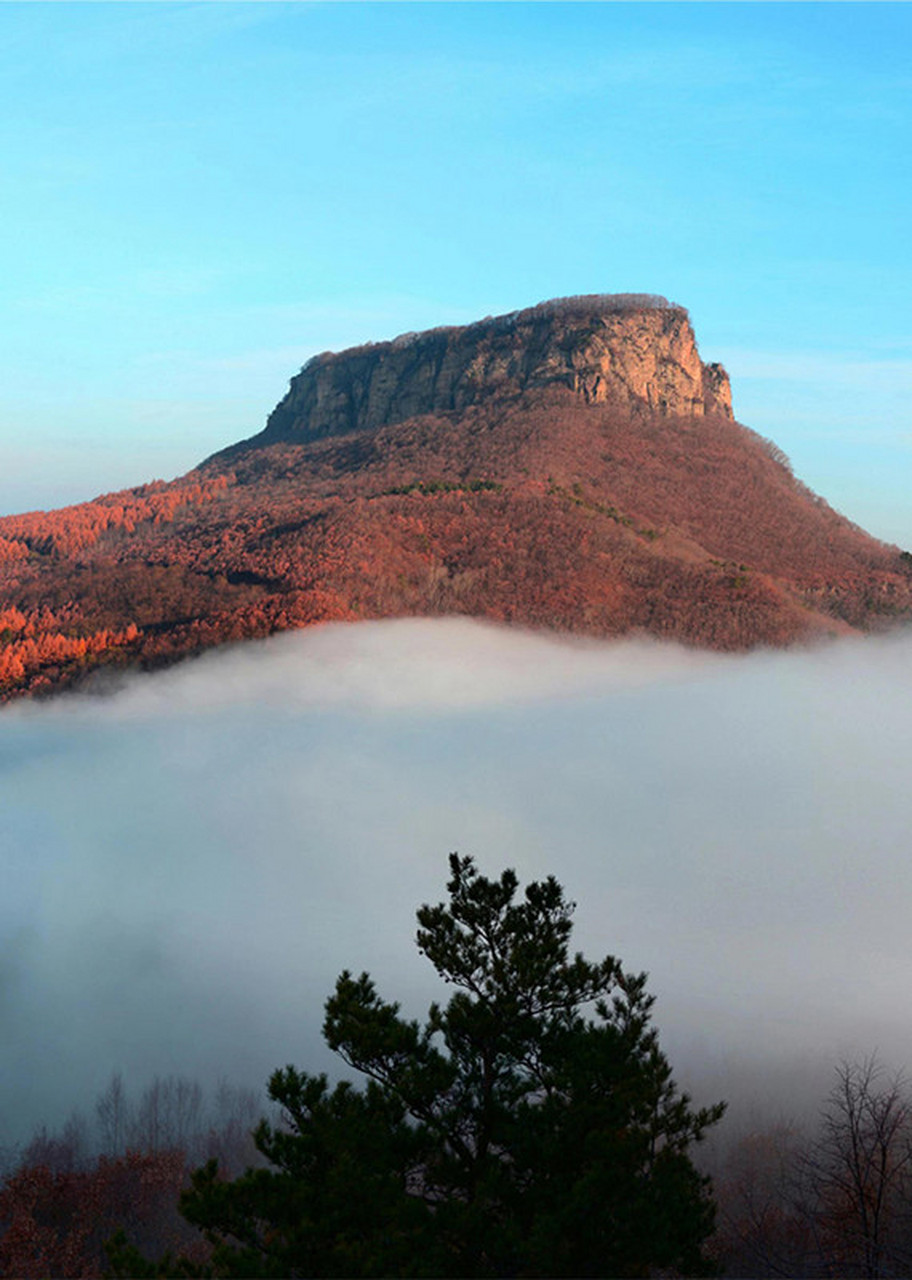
529	1127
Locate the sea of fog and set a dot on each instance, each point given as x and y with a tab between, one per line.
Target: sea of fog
190	859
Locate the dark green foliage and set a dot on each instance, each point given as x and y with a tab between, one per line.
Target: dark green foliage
530	1127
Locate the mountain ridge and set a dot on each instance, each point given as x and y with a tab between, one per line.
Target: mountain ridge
574	467
623	347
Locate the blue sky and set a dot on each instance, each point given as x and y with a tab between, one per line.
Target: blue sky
197	197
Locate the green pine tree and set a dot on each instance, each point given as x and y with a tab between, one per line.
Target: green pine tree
530	1127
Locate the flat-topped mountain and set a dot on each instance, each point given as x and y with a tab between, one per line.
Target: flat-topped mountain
574	466
621	349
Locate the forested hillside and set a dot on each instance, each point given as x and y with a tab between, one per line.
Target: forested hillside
574	467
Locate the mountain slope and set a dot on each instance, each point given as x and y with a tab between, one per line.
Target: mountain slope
574	466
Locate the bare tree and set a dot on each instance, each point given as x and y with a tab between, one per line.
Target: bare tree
857	1176
62	1152
235	1113
112	1112
184	1110
169	1114
762	1229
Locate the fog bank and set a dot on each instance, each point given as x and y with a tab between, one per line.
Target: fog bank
189	862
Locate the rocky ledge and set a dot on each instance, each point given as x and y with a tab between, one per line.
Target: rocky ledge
623	348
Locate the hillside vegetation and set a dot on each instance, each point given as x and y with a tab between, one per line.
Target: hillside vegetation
583	487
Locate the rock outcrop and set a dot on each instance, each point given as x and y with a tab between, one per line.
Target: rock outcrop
574	467
607	348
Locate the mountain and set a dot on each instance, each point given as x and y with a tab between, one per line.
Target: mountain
574	466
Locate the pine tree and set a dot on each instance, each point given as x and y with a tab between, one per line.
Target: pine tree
530	1127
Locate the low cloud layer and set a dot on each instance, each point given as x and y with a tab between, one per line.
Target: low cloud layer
190	861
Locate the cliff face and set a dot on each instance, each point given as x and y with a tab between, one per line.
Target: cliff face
623	349
573	467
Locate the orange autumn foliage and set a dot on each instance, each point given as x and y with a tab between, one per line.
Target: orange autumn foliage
538	511
56	1222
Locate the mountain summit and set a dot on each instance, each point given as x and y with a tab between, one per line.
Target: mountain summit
574	466
622	349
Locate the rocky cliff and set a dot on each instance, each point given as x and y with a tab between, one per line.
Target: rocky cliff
621	349
574	467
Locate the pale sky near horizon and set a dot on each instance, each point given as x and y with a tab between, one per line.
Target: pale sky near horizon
198	197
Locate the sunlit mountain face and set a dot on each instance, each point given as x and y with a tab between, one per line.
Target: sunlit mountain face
572	468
